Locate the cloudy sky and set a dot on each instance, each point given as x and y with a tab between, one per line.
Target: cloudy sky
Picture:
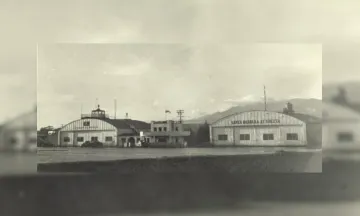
147	79
159	21
341	62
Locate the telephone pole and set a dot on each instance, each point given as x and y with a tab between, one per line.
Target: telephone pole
180	114
264	97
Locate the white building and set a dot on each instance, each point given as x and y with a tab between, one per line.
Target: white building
341	127
166	133
20	133
258	128
99	127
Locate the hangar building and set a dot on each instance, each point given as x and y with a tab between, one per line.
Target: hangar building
19	133
258	128
341	127
99	127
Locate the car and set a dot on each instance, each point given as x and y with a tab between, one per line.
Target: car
93	144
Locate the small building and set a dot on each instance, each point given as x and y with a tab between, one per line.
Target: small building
97	126
166	132
341	127
258	128
19	133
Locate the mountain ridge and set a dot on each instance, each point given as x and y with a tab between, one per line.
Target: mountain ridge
309	106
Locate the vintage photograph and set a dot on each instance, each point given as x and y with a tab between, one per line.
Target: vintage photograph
341	102
255	106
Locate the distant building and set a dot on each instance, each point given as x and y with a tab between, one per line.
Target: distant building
97	126
166	133
19	134
262	128
341	127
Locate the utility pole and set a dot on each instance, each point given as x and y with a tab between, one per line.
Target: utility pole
115	108
265	98
180	114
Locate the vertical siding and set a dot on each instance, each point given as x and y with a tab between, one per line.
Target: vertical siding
256	124
245	130
87	137
258	115
95	124
222	131
331	129
98	128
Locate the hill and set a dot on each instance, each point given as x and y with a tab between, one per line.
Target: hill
311	107
352	90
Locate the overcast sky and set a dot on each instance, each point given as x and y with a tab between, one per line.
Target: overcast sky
158	21
147	79
341	62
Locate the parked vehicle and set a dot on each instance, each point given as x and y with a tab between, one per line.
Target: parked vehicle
92	144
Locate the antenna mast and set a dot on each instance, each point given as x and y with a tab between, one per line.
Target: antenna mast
96	103
115	109
180	113
265	98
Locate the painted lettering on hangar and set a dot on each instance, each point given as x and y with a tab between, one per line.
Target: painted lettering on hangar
264	121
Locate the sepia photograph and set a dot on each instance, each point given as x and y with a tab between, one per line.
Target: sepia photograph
191	107
341	102
205	107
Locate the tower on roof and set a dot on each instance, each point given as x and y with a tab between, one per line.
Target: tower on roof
96	113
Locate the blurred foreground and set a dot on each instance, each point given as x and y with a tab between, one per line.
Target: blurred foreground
18	145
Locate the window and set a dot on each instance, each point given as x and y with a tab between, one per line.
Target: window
177	129
292	136
222	137
123	140
66	139
86	123
80	139
164	128
155	129
108	139
94	139
176	140
268	136
244	136
159	128
345	137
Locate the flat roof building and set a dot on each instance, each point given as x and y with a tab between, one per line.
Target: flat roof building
166	133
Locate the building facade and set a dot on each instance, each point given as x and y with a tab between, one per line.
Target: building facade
341	127
20	133
258	128
166	133
99	127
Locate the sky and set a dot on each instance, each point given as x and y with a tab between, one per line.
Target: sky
341	63
160	21
147	79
